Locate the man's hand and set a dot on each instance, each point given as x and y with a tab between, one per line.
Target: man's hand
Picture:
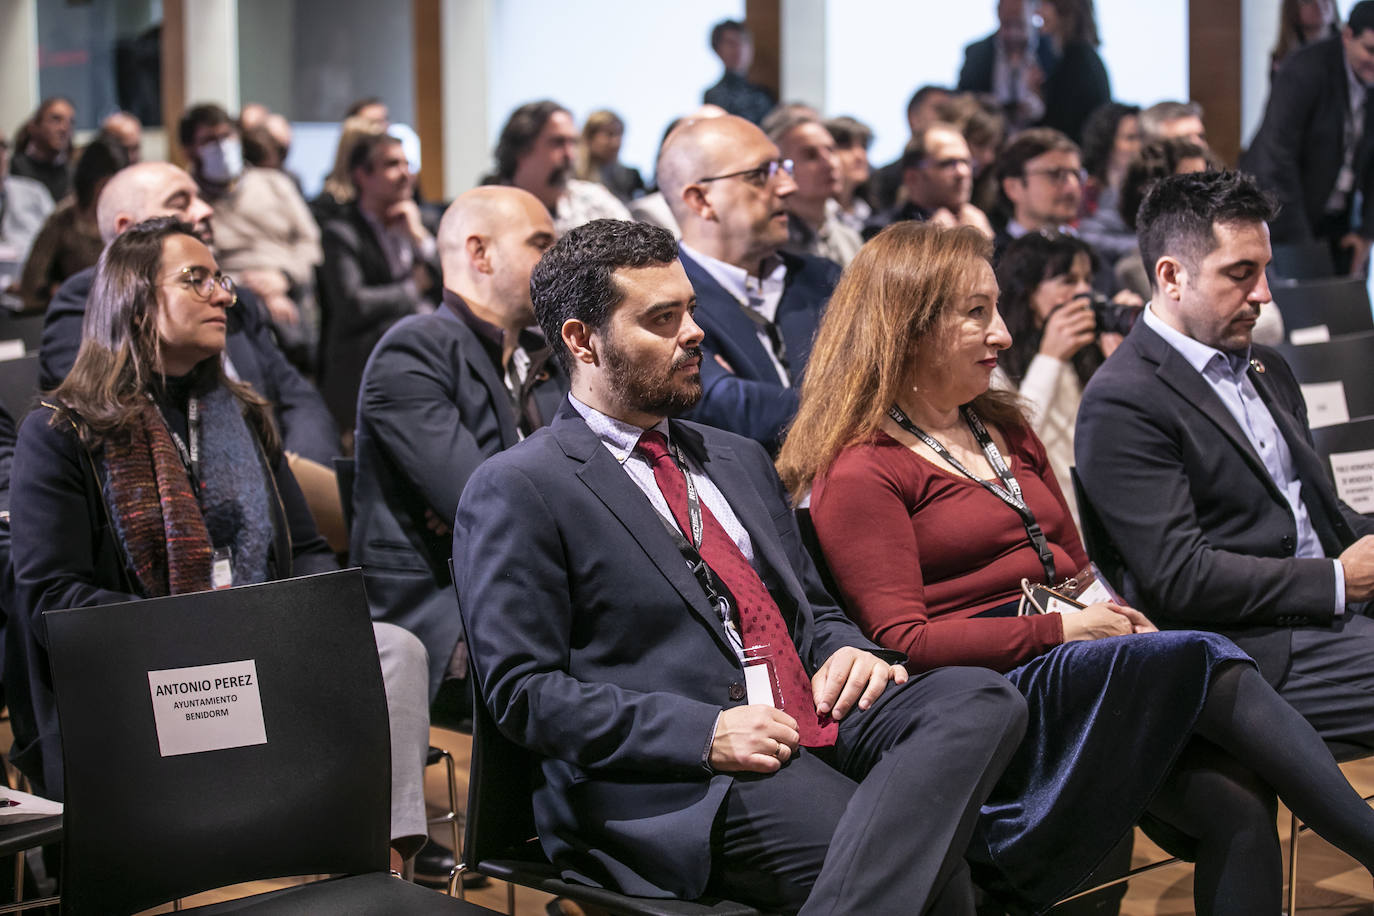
852	675
1358	246
753	739
436	525
407	213
1358	563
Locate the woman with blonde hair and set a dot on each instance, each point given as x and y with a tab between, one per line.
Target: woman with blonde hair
598	156
932	501
338	184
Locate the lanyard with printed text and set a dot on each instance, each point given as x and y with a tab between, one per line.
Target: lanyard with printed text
1009	492
190	454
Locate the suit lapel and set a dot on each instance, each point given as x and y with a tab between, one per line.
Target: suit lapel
622	497
485	372
727	314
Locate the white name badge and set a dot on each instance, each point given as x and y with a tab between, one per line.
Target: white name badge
1354	475
1326	404
1055	606
207	708
1301	337
758	684
11	349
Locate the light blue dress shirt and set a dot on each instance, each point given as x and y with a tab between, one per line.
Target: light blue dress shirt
1227	375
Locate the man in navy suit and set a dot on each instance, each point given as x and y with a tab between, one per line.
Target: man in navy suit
759	307
1193	447
750	744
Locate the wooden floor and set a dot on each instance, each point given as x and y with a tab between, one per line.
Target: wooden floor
1330	883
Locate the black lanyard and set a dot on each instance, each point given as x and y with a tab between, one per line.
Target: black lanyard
190	454
715	591
1009	492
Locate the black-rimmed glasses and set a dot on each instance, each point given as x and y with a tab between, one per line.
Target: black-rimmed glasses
759	175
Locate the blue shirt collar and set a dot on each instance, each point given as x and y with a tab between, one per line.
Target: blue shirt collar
1197	354
617	435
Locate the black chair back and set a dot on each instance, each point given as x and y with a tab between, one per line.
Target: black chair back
19	385
345	469
1318	309
1303	260
1346	359
28	328
1352	475
143	828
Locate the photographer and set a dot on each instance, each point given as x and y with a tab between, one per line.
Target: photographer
1061	332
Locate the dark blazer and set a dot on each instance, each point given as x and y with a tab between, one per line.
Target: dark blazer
360	299
432	408
1206	537
305	424
595	647
1074	88
981	56
749	399
1297	152
66	554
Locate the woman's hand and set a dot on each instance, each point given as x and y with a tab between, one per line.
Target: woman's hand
1068	329
1098	621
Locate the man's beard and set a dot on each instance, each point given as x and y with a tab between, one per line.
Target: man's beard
639	388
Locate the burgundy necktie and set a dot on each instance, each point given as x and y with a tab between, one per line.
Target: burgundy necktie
760	621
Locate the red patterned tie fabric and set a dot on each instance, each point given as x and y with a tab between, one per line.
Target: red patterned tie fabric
760	621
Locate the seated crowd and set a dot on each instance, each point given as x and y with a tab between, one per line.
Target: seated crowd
725	494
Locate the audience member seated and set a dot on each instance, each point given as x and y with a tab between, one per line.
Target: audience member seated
915	479
834	783
1057	342
1078	84
375	272
1156	159
43	149
937	180
1170	120
1111	139
27	205
985	130
814	227
1010	64
1310	150
371	109
151	472
758	307
852	139
652	208
1301	22
125	129
440	394
264	233
1194	449
1041	177
922	109
69	241
338	192
732	43
152	189
535	153
598	156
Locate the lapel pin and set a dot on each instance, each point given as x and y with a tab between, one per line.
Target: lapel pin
1257	365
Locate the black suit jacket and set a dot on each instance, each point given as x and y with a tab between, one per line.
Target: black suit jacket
1206	537
749	398
1298	149
981	56
432	408
361	299
595	647
302	417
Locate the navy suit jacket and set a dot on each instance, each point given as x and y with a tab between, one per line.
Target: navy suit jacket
981	56
432	408
1206	537
595	648
749	398
304	421
1298	150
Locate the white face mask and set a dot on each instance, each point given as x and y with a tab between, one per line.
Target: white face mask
221	161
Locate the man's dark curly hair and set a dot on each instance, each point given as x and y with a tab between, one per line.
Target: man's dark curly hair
576	277
1180	213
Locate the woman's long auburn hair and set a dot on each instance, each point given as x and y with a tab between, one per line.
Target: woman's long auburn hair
120	359
889	303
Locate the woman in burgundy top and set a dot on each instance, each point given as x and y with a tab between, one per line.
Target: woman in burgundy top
932	500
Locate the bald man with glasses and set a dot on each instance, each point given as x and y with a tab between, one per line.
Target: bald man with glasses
758	306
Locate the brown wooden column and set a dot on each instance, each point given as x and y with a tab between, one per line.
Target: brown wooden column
764	18
173	47
429	102
1214	71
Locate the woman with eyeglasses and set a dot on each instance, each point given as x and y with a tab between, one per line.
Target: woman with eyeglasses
148	471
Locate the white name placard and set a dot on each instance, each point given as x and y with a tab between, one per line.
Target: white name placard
1354	474
1318	333
207	708
1325	404
11	349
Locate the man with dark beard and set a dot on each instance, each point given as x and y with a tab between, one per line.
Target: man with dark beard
642	617
535	153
